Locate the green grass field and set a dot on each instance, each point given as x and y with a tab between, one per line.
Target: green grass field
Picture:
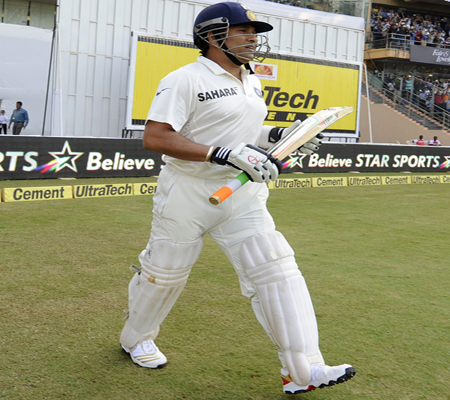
376	259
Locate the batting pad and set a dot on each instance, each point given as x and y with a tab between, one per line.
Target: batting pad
284	300
153	292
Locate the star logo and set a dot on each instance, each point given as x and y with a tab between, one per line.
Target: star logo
295	159
62	159
446	163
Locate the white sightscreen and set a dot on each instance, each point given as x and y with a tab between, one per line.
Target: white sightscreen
24	67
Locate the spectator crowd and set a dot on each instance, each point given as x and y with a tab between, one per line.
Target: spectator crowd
400	27
411	27
426	92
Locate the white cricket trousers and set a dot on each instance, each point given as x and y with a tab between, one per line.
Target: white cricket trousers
182	213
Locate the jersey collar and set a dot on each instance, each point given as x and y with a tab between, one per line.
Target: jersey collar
216	68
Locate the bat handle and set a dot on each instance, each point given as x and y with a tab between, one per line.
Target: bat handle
226	191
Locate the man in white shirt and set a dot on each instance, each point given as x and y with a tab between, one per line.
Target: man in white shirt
434	142
207	118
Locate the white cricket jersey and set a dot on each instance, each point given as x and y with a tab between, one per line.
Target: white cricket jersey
208	105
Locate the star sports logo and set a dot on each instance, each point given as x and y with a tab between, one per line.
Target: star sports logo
62	159
294	160
446	163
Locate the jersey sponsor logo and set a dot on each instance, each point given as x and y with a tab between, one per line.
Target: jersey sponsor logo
217	94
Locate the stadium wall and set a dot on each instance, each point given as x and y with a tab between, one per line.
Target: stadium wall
391	126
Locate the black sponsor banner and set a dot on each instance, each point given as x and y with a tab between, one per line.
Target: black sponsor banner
346	157
29	157
23	157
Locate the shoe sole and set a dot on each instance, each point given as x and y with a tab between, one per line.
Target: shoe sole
349	374
140	364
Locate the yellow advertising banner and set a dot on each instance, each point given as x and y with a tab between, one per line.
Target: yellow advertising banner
395	180
425	179
153	62
141	189
294	87
106	190
364	180
445	178
296	183
329	182
37	193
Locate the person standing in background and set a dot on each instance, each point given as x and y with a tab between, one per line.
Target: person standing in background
3	122
20	119
420	141
434	142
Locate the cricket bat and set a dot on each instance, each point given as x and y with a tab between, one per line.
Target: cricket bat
306	131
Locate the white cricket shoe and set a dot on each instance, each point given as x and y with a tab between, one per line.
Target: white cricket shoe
146	354
321	376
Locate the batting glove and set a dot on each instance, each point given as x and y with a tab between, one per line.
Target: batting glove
308	148
276	134
255	162
312	146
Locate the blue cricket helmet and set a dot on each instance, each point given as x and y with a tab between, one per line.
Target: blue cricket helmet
227	14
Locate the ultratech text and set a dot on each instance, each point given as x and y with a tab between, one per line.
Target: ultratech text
297	100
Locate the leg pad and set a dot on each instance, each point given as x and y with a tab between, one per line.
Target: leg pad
154	291
285	302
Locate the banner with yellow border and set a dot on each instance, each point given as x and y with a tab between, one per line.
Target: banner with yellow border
294	87
142	189
37	193
149	189
108	190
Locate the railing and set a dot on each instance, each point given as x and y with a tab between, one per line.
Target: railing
396	41
389	41
420	106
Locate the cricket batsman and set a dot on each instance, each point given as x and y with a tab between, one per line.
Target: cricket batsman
207	118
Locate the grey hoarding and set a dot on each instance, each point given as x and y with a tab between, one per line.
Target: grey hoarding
430	55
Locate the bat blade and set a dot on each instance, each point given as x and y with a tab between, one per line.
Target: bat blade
307	130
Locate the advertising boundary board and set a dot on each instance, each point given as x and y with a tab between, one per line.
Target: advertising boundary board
31	157
64	192
430	55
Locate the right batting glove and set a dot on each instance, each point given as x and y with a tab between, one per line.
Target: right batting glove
309	148
312	146
276	134
255	162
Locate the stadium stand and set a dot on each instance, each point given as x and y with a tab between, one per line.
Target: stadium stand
418	89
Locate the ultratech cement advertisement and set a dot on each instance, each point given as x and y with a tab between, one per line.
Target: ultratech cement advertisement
23	157
293	87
